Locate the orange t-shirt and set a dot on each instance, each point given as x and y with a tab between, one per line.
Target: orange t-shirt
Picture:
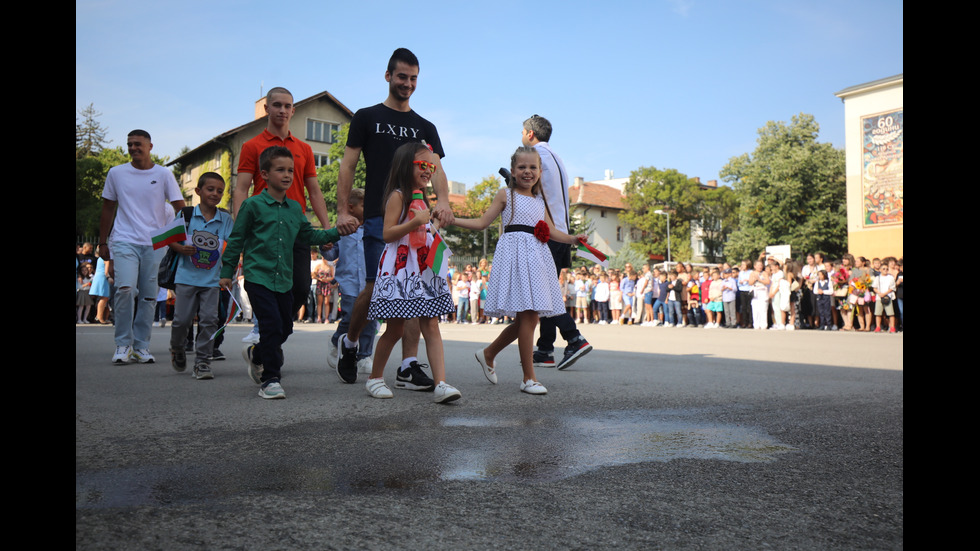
303	165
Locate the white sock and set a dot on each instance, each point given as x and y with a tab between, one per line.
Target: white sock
407	362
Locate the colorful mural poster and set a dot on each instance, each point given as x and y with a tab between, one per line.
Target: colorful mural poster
883	162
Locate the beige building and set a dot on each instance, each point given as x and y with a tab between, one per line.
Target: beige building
875	148
317	118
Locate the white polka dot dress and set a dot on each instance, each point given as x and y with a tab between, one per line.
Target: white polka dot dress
523	275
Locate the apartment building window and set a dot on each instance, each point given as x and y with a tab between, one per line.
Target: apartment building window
320	159
320	131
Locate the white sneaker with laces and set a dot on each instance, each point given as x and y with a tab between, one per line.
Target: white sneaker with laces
143	356
123	355
444	393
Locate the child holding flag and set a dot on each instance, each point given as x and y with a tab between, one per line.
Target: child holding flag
522	283
406	286
196	281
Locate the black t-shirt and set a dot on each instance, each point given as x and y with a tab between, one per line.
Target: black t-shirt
378	131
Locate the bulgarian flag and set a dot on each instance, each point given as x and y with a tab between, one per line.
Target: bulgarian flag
591	254
438	257
173	233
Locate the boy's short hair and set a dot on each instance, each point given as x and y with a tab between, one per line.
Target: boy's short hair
138	132
356	196
540	126
276	90
405	56
270	153
209	176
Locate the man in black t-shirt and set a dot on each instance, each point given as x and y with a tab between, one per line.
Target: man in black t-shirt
377	132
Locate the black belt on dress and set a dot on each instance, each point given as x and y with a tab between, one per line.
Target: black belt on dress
519	227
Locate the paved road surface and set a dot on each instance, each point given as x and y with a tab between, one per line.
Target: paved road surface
660	439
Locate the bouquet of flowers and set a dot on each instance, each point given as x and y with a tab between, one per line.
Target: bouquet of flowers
860	289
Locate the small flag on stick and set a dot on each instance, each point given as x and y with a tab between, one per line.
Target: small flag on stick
439	253
173	233
591	254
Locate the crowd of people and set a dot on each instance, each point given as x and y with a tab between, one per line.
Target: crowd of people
383	261
853	293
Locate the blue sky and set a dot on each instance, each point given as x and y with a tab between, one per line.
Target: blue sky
680	84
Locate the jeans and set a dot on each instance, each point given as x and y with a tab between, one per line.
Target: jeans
674	312
462	309
365	345
135	277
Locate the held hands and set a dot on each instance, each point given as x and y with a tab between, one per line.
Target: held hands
346	223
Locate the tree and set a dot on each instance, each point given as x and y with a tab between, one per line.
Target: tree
90	135
649	190
327	175
791	190
478	200
717	218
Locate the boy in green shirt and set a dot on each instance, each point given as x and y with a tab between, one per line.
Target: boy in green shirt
265	230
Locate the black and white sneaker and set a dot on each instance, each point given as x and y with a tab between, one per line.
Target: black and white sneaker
217	355
346	361
543	359
573	352
413	378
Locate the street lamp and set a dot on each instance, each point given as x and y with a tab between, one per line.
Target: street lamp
661	212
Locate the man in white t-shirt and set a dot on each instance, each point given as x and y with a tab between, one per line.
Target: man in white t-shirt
134	209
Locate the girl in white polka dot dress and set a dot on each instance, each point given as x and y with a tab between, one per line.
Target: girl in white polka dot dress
522	283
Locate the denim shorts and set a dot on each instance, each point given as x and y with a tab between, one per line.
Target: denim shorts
374	245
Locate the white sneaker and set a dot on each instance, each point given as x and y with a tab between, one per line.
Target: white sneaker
444	393
533	387
791	328
272	390
122	355
143	356
253	336
378	389
331	356
364	365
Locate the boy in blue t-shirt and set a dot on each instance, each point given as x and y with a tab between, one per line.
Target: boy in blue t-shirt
196	281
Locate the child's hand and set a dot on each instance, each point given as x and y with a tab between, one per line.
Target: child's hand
421	217
185	250
224	283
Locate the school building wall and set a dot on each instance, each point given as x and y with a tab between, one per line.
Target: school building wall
874	146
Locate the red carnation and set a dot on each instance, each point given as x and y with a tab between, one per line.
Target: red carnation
541	231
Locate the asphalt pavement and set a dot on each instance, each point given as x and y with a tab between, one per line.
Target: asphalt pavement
661	438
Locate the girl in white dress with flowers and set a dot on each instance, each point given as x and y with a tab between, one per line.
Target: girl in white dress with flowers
405	287
522	283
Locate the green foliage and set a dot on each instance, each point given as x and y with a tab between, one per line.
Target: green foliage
717	217
650	189
327	175
791	190
470	243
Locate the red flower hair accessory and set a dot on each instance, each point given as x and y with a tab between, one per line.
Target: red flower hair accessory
541	231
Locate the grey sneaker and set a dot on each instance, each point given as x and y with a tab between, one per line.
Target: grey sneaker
178	359
254	369
272	390
203	371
